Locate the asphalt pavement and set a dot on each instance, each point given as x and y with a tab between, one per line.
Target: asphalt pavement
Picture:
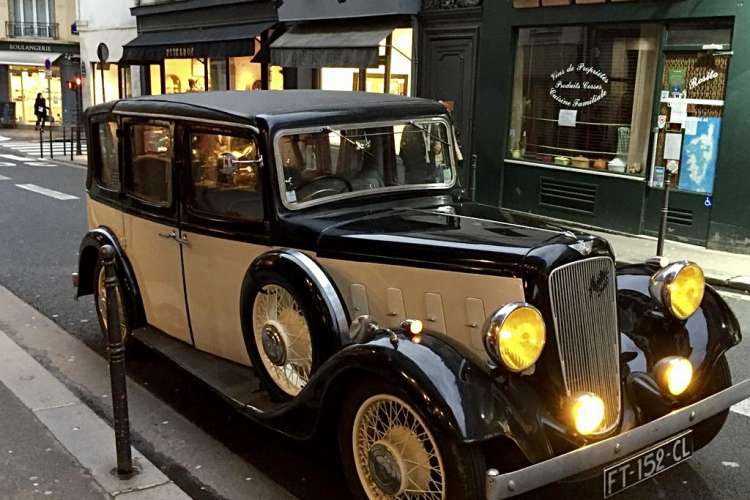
42	219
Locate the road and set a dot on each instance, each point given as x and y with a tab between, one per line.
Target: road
40	233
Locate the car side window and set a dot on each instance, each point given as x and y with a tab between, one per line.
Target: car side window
150	175
108	164
225	176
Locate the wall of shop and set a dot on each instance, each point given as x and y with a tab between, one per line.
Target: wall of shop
622	203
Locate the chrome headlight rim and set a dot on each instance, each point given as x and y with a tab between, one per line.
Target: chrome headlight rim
497	320
659	285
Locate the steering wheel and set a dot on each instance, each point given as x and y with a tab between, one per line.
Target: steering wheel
326	190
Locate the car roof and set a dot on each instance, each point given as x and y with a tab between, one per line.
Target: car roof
276	108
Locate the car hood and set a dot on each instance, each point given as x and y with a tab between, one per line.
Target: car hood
461	237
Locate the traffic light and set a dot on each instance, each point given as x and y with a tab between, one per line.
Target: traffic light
75	83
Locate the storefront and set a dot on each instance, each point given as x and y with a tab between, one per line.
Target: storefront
586	119
196	46
352	46
23	75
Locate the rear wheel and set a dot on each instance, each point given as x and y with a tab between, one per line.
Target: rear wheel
100	299
706	431
390	450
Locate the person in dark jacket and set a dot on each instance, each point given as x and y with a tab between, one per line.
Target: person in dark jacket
40	110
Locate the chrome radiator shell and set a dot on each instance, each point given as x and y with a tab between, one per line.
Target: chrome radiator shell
583	299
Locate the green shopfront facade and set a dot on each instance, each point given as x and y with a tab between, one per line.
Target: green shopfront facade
584	111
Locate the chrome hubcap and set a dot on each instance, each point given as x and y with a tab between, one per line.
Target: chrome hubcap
274	344
395	454
282	338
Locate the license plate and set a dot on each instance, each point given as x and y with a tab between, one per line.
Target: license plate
647	464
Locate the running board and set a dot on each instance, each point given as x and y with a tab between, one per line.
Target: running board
234	382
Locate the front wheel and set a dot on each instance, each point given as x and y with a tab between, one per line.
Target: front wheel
390	450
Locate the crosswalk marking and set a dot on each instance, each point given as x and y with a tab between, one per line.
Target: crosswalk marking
47	192
3	178
15	158
32	149
743	408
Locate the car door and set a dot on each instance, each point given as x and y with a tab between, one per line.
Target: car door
223	223
152	240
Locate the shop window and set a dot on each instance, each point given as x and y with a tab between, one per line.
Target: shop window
26	82
108	165
225	174
583	96
150	175
184	75
155	78
395	59
244	74
109	92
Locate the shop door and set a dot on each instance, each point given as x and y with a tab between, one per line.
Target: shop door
449	73
687	143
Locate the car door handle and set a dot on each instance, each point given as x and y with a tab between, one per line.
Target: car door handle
173	236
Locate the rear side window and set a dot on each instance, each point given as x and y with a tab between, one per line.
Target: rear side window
150	175
226	181
108	165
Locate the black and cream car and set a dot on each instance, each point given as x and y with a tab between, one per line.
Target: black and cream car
458	350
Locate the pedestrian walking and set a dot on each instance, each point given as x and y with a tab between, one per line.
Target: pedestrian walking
40	110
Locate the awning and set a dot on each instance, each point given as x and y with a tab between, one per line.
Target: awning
26	58
218	42
318	45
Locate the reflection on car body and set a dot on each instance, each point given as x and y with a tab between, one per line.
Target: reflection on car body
461	350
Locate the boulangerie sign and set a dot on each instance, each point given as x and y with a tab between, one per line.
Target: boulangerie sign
579	85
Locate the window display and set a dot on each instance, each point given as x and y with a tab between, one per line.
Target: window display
583	96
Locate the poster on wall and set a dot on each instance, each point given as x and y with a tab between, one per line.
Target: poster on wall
699	155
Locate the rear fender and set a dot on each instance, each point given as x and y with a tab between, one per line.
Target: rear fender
87	260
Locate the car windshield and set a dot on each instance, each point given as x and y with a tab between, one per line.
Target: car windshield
336	162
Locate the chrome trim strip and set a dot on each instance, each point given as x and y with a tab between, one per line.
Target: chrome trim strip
575	170
333	301
588	340
610	450
160	116
356	194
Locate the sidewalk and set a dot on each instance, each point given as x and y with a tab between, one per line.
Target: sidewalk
51	444
25	139
724	269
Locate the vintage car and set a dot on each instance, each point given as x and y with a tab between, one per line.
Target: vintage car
456	349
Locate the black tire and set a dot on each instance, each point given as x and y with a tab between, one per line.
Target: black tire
463	464
320	348
124	308
706	431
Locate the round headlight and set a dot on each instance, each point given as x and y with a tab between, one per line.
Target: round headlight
679	287
674	374
515	336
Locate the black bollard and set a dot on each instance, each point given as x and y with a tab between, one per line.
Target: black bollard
664	222
51	152
117	366
41	143
65	144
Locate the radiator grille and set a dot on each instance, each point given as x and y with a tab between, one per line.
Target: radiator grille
585	318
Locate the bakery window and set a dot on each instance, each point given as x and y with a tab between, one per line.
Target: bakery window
583	96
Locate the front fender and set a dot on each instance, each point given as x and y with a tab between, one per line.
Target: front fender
648	333
453	387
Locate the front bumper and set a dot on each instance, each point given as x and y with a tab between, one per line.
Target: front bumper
612	449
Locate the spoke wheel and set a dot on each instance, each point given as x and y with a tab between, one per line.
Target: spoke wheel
101	305
395	454
282	338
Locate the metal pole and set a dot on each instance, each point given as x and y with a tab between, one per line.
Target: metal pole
71	142
664	218
65	142
104	95
41	143
117	366
79	105
51	152
473	177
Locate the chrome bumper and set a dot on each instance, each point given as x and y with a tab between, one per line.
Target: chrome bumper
612	449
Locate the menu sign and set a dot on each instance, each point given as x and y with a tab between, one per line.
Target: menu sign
579	85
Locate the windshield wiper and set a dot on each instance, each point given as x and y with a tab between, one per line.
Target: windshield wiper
431	134
360	147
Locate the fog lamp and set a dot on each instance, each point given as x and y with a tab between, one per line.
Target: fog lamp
674	374
515	336
679	287
588	413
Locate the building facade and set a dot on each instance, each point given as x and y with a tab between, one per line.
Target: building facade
113	26
202	45
38	54
586	110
